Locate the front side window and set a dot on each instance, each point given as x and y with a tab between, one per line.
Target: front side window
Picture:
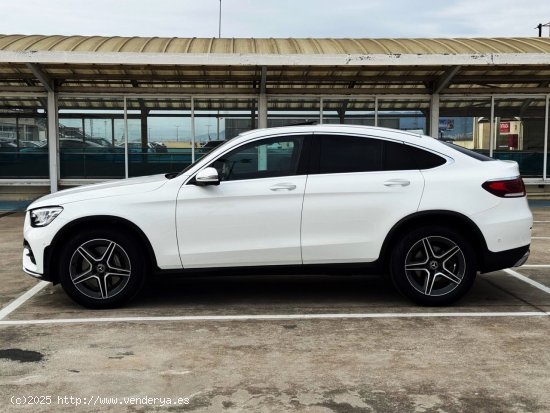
266	158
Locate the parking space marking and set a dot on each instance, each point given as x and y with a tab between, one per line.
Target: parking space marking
275	317
4	312
541	221
527	280
535	266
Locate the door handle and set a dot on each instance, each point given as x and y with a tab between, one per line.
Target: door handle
283	187
397	182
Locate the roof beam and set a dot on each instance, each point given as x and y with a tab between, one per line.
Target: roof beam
528	102
41	76
487	59
445	79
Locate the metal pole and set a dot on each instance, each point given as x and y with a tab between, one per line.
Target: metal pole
17	138
53	149
220	21
125	139
376	111
321	111
492	126
193	128
262	100
434	116
113	131
545	152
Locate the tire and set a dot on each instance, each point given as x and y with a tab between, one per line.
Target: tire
433	265
102	254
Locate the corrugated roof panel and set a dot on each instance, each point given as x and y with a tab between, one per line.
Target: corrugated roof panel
219	46
132	44
245	45
355	46
275	46
109	44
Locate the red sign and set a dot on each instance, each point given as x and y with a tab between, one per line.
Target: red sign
504	127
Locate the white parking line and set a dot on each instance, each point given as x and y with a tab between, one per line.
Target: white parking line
527	280
535	266
275	317
4	312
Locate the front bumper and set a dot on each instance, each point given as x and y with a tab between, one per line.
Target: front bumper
36	243
29	261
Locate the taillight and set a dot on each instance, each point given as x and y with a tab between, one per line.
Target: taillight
506	188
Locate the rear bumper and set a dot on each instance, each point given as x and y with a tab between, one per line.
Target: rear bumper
493	261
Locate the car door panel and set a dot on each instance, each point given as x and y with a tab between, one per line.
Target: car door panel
346	216
348	212
251	217
241	223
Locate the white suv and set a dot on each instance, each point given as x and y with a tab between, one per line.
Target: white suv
305	198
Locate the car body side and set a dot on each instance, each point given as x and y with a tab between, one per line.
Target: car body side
148	206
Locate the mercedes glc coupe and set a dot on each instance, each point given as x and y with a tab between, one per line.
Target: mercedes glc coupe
321	199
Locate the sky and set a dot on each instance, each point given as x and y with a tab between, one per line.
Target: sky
276	18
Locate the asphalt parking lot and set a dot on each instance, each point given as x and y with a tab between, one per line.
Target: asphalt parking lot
266	344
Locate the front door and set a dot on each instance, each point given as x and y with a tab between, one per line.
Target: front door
253	216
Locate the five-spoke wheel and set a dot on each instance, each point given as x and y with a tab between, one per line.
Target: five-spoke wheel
102	268
433	265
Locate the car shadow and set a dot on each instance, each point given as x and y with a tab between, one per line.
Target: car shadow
262	290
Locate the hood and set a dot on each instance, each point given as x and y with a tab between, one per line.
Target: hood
141	184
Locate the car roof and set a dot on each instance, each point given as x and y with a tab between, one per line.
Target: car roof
412	138
333	128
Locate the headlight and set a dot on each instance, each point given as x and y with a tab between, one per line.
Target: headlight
41	217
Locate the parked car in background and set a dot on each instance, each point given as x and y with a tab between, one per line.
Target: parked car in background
8	146
294	199
152	147
100	141
67	145
208	146
33	144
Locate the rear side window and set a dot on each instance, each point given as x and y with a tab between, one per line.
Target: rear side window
399	157
471	154
341	154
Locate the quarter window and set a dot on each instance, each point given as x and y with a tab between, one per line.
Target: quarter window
261	159
400	157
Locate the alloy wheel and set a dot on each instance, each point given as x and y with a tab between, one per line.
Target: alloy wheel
435	266
100	268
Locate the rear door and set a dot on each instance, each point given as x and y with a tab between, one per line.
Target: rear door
358	188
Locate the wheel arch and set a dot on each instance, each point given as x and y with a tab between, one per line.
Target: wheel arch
454	220
72	227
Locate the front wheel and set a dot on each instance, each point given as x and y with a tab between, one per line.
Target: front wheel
102	268
433	265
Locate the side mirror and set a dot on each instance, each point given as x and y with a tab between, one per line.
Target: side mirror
207	176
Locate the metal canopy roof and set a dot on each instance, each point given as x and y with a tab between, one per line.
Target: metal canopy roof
97	44
294	67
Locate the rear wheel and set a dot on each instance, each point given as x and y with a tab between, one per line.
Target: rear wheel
102	268
433	265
